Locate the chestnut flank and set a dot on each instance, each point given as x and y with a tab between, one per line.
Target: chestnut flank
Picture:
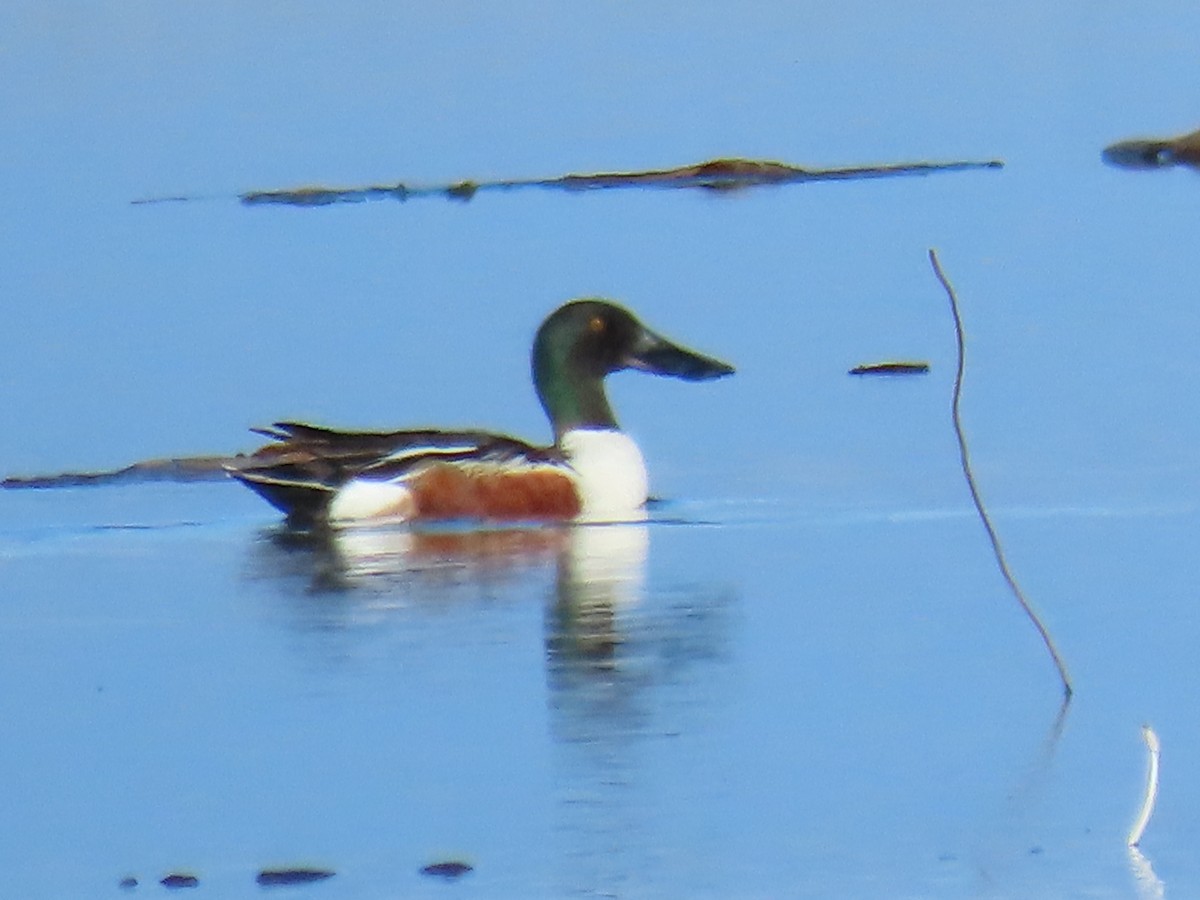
445	491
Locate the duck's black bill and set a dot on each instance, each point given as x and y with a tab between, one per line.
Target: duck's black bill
657	355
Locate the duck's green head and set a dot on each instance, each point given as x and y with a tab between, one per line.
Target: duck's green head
583	341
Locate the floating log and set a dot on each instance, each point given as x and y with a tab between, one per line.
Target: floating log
714	175
1155	153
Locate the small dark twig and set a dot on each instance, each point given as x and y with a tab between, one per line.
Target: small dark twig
965	457
891	368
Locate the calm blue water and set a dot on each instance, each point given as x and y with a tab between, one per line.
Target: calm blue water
804	677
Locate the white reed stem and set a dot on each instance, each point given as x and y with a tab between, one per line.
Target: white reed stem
1143	817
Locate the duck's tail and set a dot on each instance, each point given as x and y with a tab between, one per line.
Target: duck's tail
302	498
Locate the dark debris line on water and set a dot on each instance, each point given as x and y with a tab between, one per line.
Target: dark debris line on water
285	877
181	470
177	880
450	869
713	175
892	367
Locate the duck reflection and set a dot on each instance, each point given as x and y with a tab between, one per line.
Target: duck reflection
629	678
387	558
603	641
626	667
594	565
614	653
600	571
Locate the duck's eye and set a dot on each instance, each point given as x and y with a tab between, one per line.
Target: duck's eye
596	325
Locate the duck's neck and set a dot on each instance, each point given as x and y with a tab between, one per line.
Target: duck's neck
571	398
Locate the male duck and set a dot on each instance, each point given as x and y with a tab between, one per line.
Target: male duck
593	471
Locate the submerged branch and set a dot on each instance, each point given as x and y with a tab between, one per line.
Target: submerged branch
976	498
180	469
714	175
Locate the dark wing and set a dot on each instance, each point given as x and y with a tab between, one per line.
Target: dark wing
305	465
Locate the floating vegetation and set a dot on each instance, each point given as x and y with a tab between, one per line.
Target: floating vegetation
180	880
284	877
1155	153
976	498
450	869
891	368
715	175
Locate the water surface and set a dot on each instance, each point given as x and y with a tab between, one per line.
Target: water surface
804	676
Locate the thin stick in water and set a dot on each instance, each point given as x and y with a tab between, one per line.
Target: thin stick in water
965	456
1143	817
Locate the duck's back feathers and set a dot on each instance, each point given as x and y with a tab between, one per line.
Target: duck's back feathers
312	473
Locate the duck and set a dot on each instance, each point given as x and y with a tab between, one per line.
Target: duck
592	472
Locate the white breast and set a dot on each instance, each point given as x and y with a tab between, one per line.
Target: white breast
612	473
357	500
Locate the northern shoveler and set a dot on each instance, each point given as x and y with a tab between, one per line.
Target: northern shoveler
592	471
